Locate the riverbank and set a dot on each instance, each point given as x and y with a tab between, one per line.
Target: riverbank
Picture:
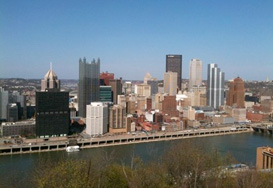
117	140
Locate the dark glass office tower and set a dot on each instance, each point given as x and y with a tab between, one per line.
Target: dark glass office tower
52	113
174	64
89	83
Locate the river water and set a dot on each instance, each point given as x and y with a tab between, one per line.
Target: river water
17	170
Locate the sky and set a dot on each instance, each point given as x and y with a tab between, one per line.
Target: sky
133	37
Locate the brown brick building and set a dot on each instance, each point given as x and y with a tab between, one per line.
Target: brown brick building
236	93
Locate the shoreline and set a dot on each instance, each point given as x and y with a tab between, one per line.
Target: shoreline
118	140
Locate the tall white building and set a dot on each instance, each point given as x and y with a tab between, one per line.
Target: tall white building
4	100
170	83
195	73
215	86
96	118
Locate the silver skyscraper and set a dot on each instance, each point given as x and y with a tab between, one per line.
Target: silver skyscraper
215	86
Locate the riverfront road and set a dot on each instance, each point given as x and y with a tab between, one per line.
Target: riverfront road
117	140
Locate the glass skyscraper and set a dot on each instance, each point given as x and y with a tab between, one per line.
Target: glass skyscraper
89	82
215	86
174	64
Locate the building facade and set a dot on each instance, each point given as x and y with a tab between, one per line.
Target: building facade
50	81
52	113
174	64
117	121
106	94
4	100
116	89
96	118
170	83
88	90
106	77
195	73
264	158
215	86
236	93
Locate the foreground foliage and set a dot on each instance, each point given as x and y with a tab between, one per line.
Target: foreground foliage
185	165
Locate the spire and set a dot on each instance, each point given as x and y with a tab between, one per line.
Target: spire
50	67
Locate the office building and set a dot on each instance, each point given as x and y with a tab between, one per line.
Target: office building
169	106
117	119
50	81
116	89
264	158
106	94
52	113
170	83
174	64
154	86
236	93
88	90
96	118
127	88
4	100
143	90
12	112
105	77
195	73
215	86
122	100
22	128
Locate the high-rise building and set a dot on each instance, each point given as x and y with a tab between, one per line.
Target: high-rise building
50	81
174	64
4	100
116	89
195	73
106	94
215	86
106	77
88	90
236	93
143	90
117	121
12	112
52	113
154	86
127	88
96	118
170	83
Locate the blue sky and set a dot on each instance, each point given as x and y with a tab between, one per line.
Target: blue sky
133	37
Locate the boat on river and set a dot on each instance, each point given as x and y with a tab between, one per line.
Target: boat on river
72	148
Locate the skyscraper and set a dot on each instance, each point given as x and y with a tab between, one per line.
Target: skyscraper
4	100
195	73
96	118
89	78
174	64
170	83
50	80
215	86
236	93
116	89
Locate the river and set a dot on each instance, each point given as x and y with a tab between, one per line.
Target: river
17	170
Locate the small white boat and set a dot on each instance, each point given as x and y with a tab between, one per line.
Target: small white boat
72	148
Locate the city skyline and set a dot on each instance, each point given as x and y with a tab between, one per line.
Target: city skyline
127	33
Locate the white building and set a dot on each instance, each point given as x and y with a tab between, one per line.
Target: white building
96	118
170	83
195	73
